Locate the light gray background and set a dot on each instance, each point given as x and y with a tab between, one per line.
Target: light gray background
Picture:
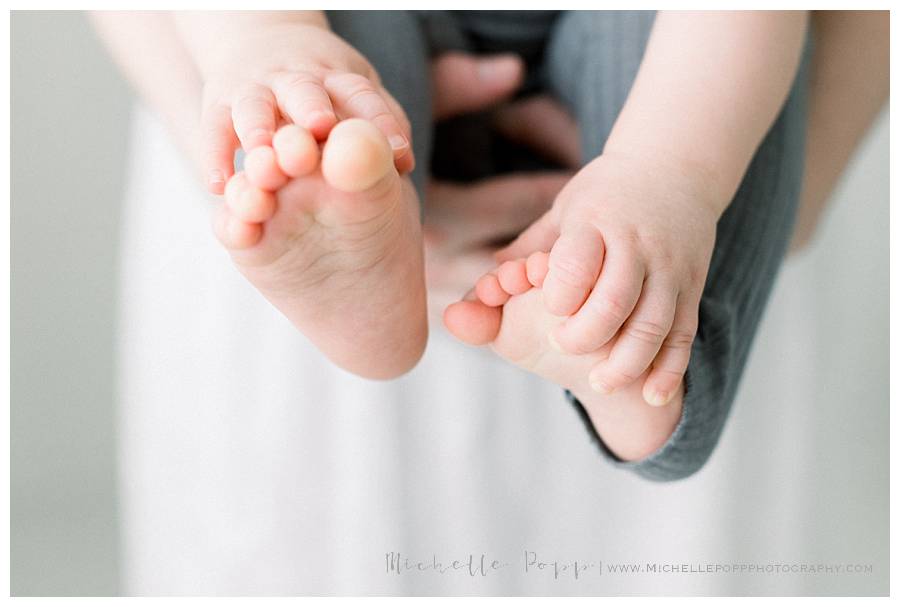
69	112
69	123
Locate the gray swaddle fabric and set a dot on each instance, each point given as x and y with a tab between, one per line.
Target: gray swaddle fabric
588	60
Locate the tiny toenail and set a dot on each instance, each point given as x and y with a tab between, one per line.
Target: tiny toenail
398	142
216	177
658	399
602	388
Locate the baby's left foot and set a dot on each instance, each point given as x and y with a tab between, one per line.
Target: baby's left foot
506	311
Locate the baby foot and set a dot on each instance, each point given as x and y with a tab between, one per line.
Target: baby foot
333	241
506	311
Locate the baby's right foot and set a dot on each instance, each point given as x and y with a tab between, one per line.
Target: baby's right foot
506	310
333	240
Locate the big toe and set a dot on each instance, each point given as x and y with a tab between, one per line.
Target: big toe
356	156
473	322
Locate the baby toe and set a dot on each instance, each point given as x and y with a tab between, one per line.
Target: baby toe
489	290
473	322
513	278
248	203
235	234
261	167
296	150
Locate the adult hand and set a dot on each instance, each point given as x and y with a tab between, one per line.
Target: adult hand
467	223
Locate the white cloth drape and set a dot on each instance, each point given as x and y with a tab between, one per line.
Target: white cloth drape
250	465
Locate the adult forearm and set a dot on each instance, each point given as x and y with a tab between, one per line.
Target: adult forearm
147	48
709	87
850	80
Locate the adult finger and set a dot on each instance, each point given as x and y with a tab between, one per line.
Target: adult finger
463	83
541	124
491	210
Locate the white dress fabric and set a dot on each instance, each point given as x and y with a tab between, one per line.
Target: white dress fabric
250	465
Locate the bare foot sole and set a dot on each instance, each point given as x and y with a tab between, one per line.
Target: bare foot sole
333	240
506	311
